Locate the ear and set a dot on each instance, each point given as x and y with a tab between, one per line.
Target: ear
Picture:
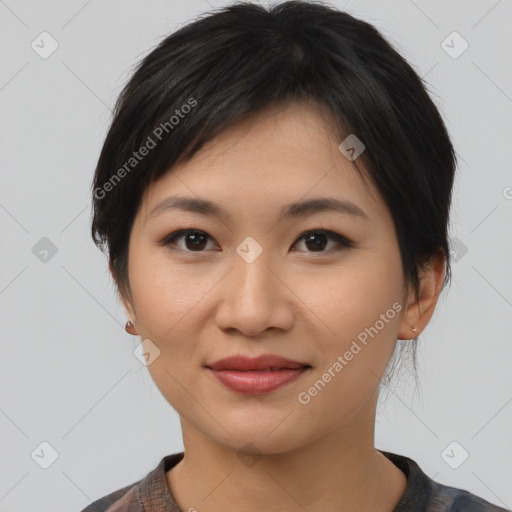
419	312
126	303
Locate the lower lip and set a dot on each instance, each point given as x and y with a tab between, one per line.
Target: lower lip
257	382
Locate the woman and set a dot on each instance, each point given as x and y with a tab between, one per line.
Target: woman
239	144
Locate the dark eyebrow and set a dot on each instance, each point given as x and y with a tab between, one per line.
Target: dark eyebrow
321	204
299	209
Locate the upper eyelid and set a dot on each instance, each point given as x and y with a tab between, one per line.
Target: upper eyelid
184	231
333	235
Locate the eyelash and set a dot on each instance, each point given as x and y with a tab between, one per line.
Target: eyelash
344	243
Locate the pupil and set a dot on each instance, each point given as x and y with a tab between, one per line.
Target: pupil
195	238
320	245
197	241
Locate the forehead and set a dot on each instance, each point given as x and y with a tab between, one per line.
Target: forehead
278	156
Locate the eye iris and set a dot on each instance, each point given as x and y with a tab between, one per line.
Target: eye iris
316	246
195	237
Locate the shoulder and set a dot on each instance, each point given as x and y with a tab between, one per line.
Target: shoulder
454	499
124	499
426	495
149	493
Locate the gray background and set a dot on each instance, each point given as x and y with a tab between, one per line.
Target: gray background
68	373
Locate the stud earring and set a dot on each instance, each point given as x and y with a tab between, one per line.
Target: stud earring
414	329
130	327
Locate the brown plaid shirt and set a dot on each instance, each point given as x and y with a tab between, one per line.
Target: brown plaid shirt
152	494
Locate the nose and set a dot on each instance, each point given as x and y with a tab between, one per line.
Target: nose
254	299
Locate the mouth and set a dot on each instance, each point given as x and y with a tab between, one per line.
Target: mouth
256	376
265	362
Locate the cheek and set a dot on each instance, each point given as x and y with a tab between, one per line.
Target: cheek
357	310
168	294
354	351
346	299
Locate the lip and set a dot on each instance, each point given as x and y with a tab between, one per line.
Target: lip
256	376
257	382
263	362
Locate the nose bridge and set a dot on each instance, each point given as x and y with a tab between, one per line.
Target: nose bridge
250	299
252	274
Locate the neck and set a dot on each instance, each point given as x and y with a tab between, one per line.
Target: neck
341	471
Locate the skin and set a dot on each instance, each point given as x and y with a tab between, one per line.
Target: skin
198	306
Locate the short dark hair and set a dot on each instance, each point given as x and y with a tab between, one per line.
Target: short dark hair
235	61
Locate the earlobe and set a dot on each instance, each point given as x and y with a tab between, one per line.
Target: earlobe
128	308
419	311
130	326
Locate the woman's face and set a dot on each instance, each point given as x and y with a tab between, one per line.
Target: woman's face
251	283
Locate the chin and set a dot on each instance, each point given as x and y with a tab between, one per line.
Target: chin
261	437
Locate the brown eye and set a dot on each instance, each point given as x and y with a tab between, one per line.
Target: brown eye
317	240
194	240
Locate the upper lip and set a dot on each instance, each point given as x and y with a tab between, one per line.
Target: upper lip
262	362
